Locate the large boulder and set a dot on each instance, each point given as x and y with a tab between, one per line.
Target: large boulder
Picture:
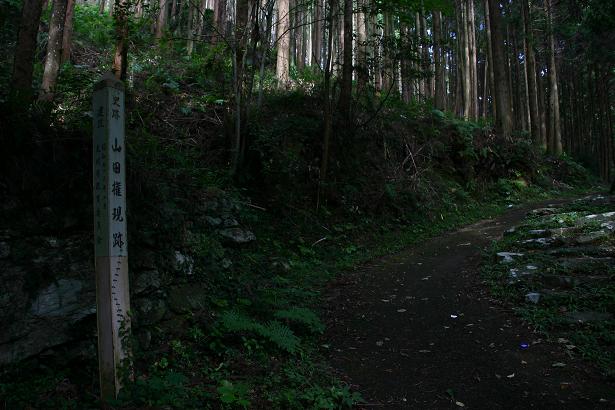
38	316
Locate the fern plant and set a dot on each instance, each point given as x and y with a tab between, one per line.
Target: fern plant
275	332
303	316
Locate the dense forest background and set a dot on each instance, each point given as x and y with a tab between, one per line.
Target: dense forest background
271	144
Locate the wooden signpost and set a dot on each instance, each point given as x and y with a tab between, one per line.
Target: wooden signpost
111	243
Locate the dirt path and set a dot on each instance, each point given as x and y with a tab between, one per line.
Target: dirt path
418	330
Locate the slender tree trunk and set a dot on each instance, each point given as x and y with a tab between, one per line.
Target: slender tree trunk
346	86
283	59
317	34
299	37
68	31
120	59
517	85
328	109
530	68
485	88
490	65
440	86
239	58
101	6
465	60
504	122
555	132
542	110
23	62
174	14
362	69
220	20
200	20
376	52
509	73
338	39
54	48
425	57
471	33
161	22
389	76
406	82
190	27
266	44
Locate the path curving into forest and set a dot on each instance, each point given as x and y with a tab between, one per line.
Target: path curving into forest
418	330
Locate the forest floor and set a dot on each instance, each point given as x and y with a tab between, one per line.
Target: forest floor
421	330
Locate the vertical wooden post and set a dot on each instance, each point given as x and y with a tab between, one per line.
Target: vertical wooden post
111	244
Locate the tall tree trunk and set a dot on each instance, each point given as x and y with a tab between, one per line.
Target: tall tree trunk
388	77
120	59
220	20
530	68
406	80
375	53
200	20
317	34
490	64
485	100
471	33
283	59
174	15
542	110
362	69
68	31
54	48
440	86
266	44
555	146
418	32
346	86
465	60
504	123
190	26
161	21
242	10
299	37
101	6
328	109
516	85
425	58
23	62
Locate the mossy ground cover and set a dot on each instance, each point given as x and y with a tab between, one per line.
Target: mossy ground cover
574	277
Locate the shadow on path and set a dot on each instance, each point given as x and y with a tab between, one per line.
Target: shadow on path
418	330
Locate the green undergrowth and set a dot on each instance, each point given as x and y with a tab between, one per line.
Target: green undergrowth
571	277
